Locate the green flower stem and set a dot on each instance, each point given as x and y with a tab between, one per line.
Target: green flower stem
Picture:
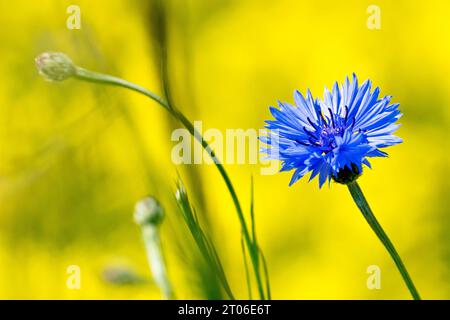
91	76
155	258
362	204
87	75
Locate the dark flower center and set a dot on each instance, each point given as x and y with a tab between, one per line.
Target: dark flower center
325	131
327	138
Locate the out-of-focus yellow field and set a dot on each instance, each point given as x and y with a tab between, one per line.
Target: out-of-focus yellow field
75	157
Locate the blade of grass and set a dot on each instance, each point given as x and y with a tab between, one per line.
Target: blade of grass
247	275
204	243
252	209
266	275
256	246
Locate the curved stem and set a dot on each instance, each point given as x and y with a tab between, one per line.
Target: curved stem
91	76
362	204
96	77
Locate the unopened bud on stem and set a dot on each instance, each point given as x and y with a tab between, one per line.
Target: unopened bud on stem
148	214
148	211
55	66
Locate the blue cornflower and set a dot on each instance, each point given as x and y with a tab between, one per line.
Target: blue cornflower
332	137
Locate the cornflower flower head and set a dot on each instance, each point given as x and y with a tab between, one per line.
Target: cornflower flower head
332	137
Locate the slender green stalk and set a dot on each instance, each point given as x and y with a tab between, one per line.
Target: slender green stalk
148	215
247	274
155	258
362	204
87	75
96	77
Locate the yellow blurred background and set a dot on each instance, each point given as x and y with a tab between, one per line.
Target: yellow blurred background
75	157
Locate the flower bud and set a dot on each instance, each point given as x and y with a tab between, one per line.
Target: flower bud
347	175
55	66
148	211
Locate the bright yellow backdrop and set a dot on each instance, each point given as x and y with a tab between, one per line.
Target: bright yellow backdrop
74	157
